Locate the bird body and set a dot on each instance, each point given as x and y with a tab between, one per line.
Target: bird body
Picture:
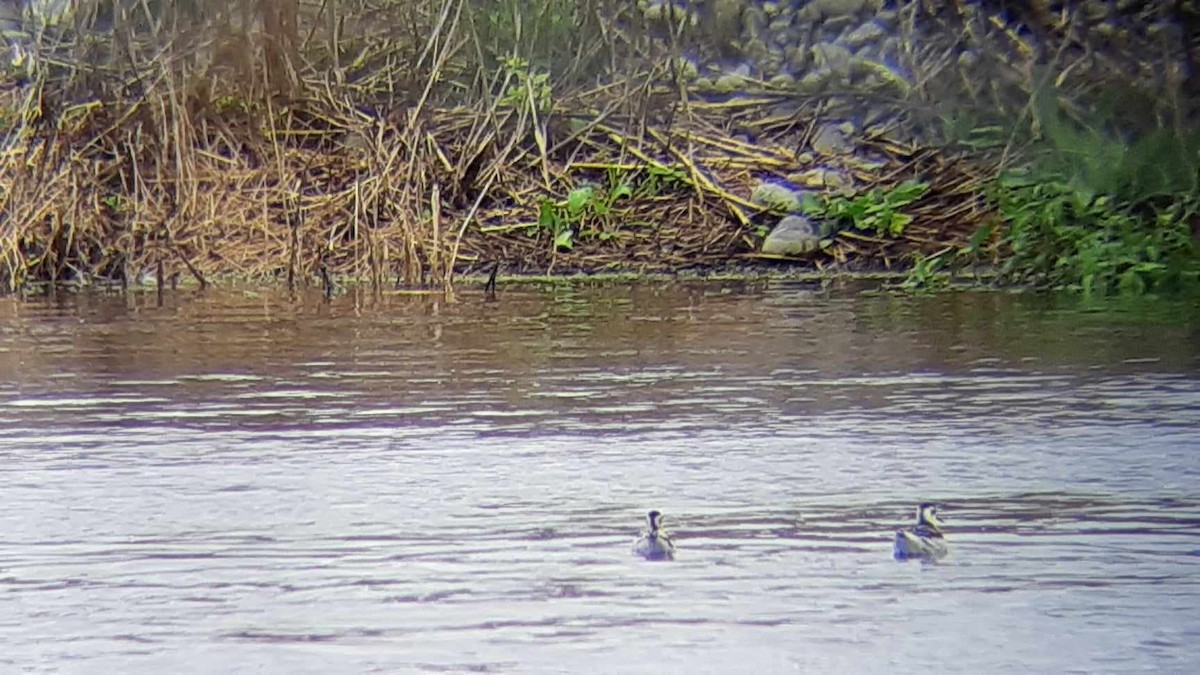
924	541
654	543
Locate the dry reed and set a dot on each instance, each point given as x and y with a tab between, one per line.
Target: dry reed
269	139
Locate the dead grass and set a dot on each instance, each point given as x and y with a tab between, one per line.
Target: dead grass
284	141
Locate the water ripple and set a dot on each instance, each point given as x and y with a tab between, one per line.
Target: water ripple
402	484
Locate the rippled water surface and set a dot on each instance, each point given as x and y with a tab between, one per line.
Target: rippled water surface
238	481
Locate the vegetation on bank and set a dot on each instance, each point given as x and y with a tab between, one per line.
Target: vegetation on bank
408	141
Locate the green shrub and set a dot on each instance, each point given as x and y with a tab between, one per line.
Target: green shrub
1063	237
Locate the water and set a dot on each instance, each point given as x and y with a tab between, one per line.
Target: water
243	482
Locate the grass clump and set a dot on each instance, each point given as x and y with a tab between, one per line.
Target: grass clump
1098	212
1060	236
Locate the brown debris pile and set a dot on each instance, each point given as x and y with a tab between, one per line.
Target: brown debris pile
189	162
412	196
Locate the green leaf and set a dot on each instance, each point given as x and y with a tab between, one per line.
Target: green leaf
565	239
547	216
579	198
899	222
981	235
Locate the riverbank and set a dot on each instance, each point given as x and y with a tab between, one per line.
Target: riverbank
283	163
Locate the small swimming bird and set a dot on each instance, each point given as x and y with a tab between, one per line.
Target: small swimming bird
655	543
925	541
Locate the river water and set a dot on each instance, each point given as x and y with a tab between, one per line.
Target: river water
236	481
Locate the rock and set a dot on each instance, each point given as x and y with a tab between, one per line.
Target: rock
867	33
774	62
797	59
889	50
672	12
837	25
822	177
880	77
757	50
685	68
742	70
815	81
832	57
1096	11
781	24
834	8
777	197
808	15
783	81
877	115
793	235
754	23
729	83
866	164
832	139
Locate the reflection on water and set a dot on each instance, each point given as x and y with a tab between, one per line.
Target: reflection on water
243	481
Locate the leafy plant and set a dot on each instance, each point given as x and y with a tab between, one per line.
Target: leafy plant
661	179
877	210
115	203
928	273
586	211
1063	237
525	87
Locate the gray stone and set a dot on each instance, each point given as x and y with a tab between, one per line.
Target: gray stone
877	115
807	15
867	33
742	70
777	197
832	57
781	25
754	23
879	77
783	81
887	18
1096	11
757	50
797	59
831	139
823	178
833	28
729	83
773	63
889	50
835	8
685	68
793	235
815	80
672	12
